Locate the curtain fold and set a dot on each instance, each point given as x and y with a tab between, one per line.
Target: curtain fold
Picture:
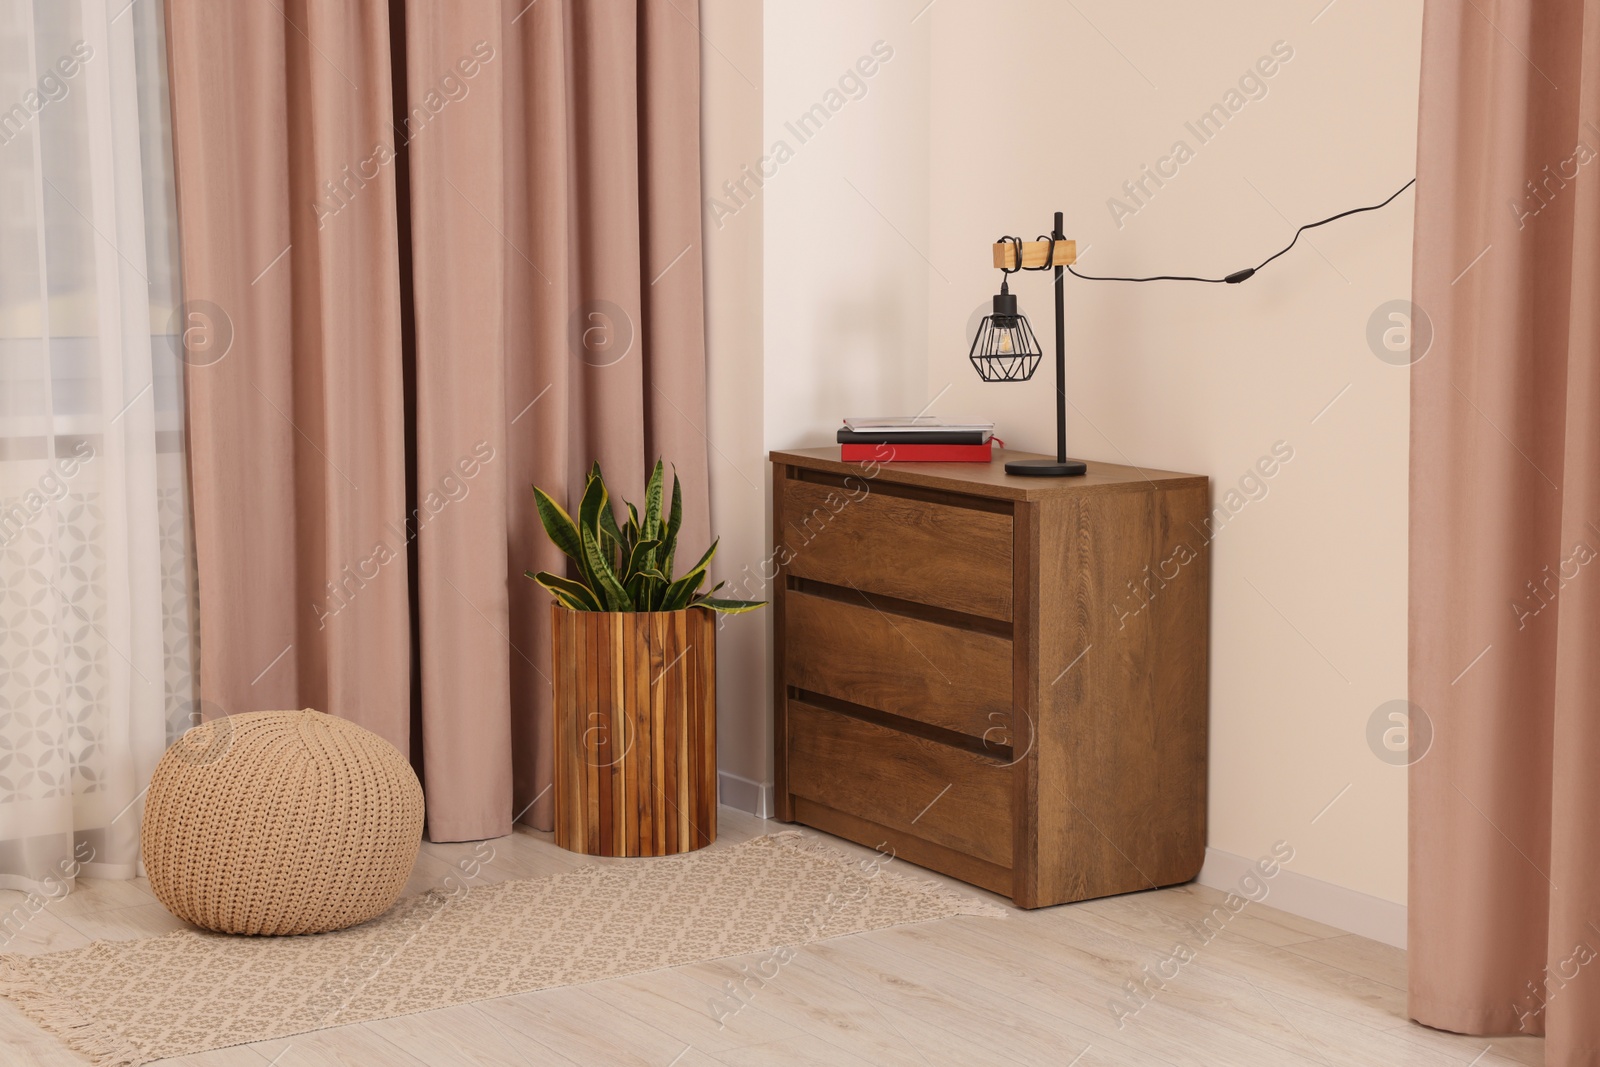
297	431
1505	526
453	56
470	313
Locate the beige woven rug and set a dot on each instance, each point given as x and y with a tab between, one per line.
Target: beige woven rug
122	1003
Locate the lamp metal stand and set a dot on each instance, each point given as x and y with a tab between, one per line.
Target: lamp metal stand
1061	466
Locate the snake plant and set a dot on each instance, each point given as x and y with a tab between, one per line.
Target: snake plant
627	567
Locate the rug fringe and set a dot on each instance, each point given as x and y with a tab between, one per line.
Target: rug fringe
959	902
62	1018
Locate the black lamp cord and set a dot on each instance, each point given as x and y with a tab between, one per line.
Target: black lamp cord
1233	279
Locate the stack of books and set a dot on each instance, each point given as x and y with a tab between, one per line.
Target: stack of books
916	439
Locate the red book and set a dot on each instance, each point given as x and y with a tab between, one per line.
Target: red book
892	453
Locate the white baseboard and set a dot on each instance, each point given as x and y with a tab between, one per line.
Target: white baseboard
1314	899
745	795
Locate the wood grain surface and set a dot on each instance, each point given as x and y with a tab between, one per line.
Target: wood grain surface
958	680
949	557
938	793
635	731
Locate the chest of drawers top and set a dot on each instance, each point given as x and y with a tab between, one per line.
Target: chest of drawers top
988	481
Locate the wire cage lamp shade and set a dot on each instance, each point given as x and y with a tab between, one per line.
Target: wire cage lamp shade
1005	348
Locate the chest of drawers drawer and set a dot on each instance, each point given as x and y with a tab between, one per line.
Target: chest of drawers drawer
950	797
933	673
875	538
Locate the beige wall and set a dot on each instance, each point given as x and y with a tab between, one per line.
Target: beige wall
846	300
730	78
991	116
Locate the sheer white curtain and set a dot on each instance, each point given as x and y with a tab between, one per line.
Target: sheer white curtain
96	595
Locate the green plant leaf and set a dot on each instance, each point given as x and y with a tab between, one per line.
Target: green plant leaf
595	500
571	594
676	596
606	583
683	590
608	534
612	531
652	504
669	547
699	569
563	532
641	559
727	607
608	526
643	588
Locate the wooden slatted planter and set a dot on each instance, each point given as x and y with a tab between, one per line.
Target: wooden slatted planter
635	731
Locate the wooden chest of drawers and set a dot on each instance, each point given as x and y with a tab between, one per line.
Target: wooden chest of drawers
1003	679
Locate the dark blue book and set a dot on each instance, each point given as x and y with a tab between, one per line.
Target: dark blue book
913	437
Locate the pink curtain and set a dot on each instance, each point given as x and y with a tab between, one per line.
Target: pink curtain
486	224
297	433
1505	526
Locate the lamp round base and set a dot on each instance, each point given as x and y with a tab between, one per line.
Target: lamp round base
1046	468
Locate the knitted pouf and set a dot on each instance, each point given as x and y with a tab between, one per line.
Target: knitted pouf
280	822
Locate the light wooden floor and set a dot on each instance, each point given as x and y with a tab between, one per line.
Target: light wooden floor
1273	990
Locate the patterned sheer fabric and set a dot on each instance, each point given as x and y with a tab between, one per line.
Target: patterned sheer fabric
96	593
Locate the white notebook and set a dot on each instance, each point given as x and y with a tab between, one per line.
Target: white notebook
910	423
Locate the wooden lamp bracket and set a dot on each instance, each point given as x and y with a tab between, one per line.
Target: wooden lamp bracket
1035	254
